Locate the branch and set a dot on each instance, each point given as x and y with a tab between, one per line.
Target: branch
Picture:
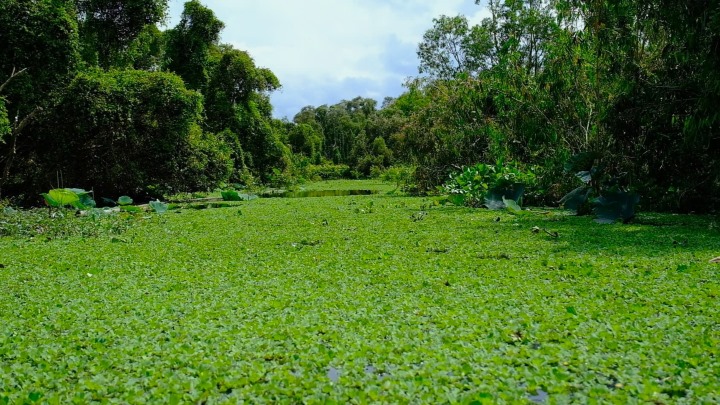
23	123
13	75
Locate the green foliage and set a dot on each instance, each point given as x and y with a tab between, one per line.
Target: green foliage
109	27
488	185
539	81
453	47
124	200
4	121
69	197
611	204
402	176
189	44
281	179
351	132
326	172
158	206
233	195
305	300
41	37
238	106
128	132
305	140
145	52
35	224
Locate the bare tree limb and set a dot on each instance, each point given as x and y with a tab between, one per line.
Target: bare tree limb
13	75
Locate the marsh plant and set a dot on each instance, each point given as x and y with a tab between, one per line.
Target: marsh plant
599	191
489	185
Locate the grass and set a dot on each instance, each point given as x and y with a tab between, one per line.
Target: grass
364	299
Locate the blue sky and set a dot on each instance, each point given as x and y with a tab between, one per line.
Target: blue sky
325	51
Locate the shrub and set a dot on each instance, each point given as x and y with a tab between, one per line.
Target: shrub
489	185
327	172
402	176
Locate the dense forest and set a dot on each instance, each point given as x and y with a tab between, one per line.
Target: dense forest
95	95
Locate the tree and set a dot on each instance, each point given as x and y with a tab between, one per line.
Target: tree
129	132
109	27
190	42
38	55
237	100
452	47
145	52
304	140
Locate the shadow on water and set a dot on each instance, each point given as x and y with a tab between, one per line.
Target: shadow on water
317	193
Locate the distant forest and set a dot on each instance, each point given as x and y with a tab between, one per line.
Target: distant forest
94	95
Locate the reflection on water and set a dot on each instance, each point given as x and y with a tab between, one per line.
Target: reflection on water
333	374
540	397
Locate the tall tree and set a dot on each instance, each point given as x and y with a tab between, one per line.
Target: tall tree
190	42
38	55
108	27
237	102
452	47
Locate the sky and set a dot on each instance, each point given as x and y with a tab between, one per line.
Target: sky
326	51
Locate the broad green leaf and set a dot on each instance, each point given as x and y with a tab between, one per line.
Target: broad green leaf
495	198
612	206
64	197
512	206
457	199
576	198
158	206
51	201
124	200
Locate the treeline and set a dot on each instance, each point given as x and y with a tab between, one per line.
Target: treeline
634	85
95	96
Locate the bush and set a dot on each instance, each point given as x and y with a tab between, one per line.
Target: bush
327	172
489	185
402	176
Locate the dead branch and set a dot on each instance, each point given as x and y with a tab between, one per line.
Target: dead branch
13	75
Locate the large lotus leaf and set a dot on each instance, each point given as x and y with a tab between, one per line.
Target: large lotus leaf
512	206
159	206
63	197
576	198
612	206
581	162
494	199
87	201
124	200
50	201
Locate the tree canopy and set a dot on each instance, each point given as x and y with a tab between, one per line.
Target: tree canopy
634	84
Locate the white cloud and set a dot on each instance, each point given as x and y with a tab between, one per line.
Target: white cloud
324	51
